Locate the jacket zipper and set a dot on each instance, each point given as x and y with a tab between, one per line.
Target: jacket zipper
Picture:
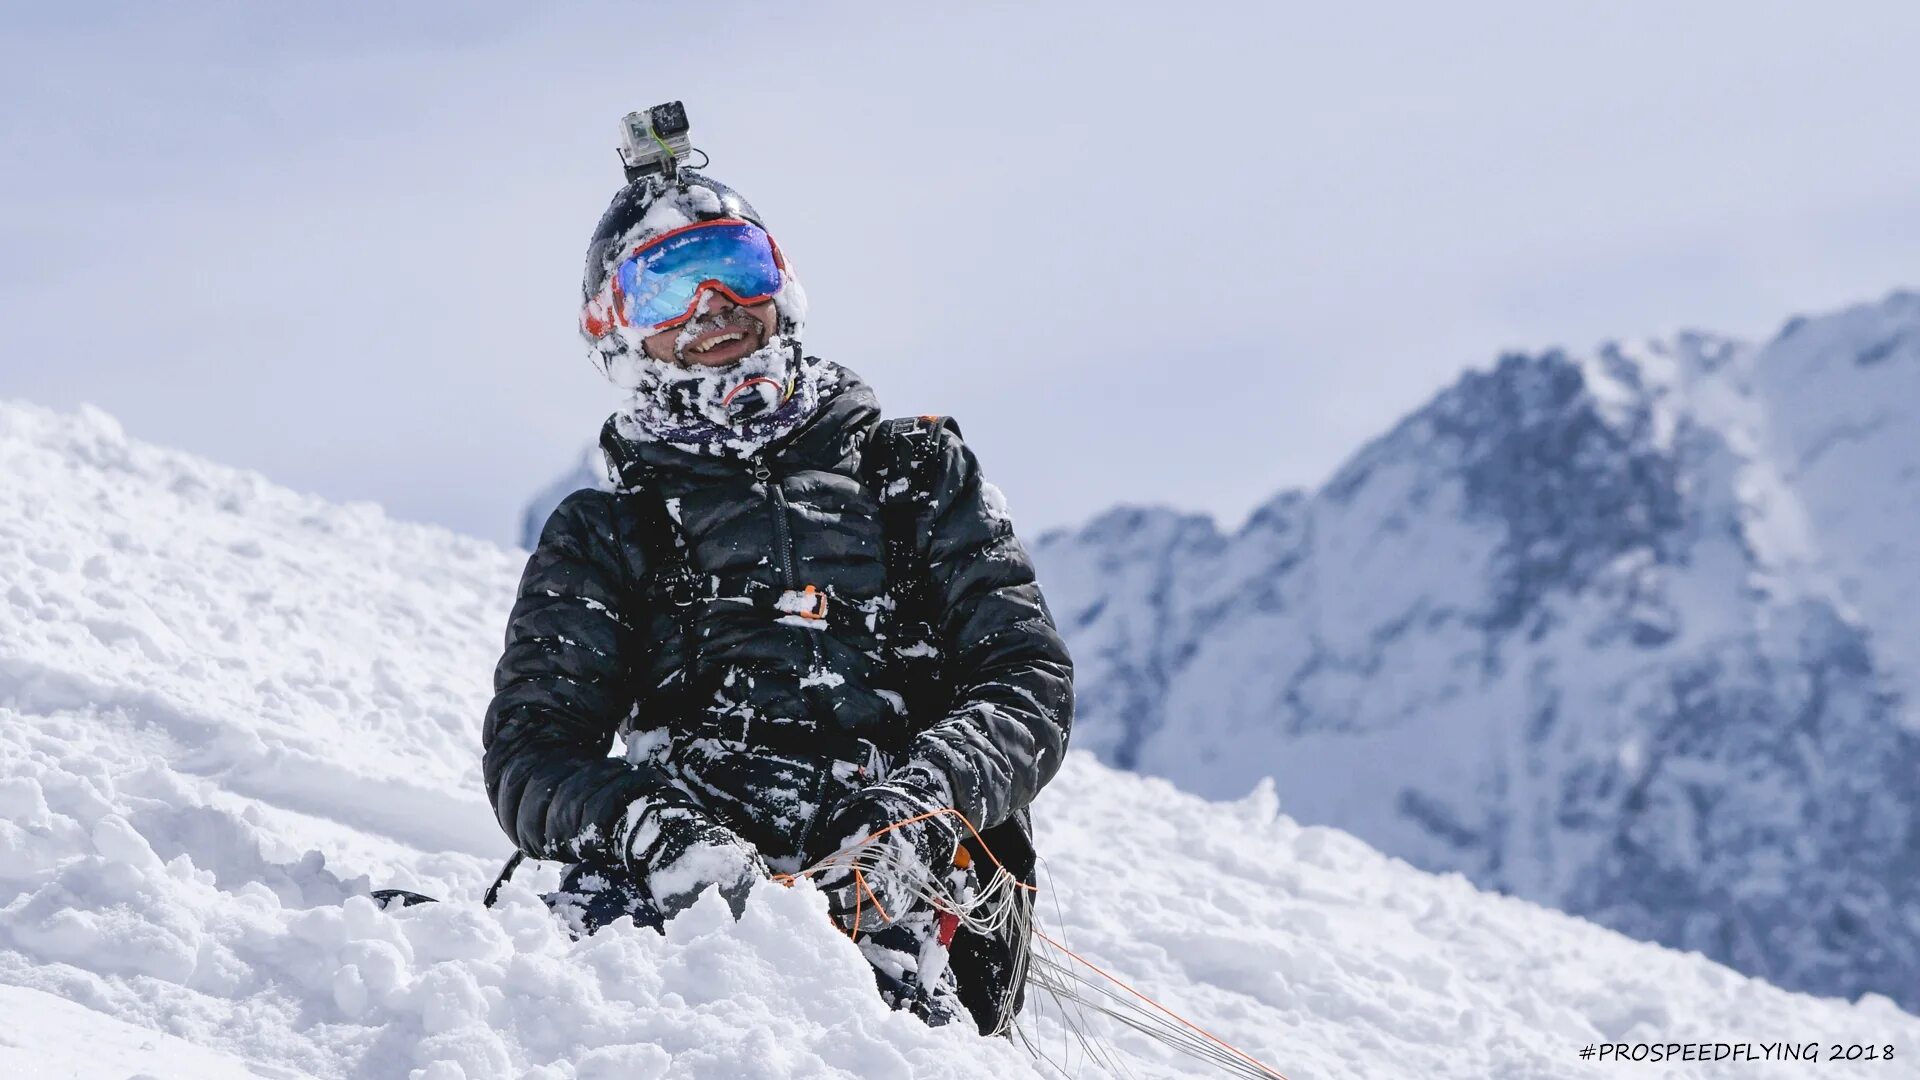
783	539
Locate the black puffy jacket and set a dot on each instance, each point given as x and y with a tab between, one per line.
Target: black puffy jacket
596	645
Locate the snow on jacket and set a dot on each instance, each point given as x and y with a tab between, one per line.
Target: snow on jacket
769	698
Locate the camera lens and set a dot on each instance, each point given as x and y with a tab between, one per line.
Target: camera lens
669	119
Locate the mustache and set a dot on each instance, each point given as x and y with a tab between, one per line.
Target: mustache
732	320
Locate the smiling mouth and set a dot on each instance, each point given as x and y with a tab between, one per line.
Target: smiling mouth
725	337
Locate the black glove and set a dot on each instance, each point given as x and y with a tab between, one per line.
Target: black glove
676	852
895	862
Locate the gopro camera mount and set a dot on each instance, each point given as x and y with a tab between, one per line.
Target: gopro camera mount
654	140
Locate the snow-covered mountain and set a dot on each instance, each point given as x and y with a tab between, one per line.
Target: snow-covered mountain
589	472
207	681
1634	634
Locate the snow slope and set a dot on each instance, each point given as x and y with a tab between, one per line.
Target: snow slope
206	680
1635	634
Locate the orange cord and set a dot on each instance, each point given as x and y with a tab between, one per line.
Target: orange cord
862	888
1229	1047
862	892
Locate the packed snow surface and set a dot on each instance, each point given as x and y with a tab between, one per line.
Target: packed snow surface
207	681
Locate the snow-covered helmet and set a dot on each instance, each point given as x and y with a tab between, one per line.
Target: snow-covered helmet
693	197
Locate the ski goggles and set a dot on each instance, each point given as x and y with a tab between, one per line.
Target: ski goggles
657	285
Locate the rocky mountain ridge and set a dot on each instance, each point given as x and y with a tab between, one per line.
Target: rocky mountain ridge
1635	634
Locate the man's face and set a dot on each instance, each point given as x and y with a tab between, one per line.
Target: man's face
719	333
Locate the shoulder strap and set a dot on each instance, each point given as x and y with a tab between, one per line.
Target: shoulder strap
670	578
668	570
903	450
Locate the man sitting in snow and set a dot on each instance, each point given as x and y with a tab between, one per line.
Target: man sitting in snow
806	623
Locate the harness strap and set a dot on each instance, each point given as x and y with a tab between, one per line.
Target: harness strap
811	608
793	739
905	448
901	456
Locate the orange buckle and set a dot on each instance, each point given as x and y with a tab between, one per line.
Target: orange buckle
809	603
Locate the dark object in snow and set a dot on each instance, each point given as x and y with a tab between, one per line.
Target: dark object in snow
386	898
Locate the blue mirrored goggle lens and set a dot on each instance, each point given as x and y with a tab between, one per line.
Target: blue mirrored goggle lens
659	282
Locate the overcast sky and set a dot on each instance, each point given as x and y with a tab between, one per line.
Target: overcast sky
1181	253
